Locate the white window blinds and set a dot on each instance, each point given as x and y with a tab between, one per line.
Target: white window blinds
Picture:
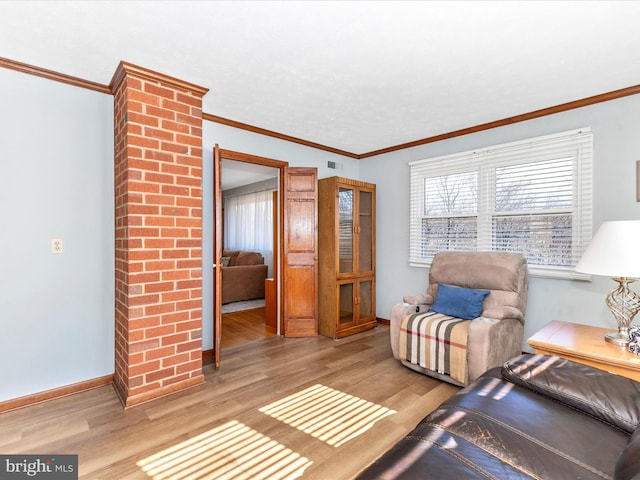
531	197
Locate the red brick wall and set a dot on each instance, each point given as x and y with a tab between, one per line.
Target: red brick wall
158	250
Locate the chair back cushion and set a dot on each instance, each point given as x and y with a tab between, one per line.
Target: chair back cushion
249	258
239	257
504	274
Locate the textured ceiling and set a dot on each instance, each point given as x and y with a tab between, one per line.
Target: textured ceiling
356	76
236	174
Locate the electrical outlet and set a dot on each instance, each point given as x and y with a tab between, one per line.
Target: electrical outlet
57	246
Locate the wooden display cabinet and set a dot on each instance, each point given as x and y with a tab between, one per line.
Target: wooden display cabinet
346	256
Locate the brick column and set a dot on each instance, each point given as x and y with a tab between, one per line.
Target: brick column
158	237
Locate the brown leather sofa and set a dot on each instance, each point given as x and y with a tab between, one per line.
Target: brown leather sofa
535	417
243	275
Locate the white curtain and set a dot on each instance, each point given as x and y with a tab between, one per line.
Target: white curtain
248	224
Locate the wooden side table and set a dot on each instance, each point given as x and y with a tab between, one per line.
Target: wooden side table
585	344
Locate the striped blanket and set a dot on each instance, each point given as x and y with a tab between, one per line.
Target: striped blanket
436	342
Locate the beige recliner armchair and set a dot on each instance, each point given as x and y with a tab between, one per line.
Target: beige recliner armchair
493	337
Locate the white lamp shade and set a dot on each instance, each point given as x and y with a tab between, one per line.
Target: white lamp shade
614	251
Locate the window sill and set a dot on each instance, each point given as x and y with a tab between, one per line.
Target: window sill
560	273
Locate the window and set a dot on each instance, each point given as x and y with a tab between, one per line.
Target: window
248	223
531	197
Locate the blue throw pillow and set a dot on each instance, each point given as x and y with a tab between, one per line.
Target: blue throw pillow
459	302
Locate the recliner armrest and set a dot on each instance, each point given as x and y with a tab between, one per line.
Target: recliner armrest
606	396
502	312
420	299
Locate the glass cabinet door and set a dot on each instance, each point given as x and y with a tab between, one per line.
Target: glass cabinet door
366	299
345	303
365	218
345	229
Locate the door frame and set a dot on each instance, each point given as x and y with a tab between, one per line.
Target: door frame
278	256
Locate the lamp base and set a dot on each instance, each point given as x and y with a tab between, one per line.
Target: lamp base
624	304
617	338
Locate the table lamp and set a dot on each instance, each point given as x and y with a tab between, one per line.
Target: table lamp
615	252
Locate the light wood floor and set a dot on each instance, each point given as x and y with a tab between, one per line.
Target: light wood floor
244	326
231	427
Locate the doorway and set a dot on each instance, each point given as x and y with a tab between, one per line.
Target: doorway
243	164
249	251
295	287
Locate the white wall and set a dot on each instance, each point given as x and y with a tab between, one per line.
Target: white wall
56	181
615	125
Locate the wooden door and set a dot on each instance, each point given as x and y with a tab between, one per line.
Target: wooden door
217	253
300	252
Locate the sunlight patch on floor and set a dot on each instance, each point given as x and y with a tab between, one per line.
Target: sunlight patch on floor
326	414
231	451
